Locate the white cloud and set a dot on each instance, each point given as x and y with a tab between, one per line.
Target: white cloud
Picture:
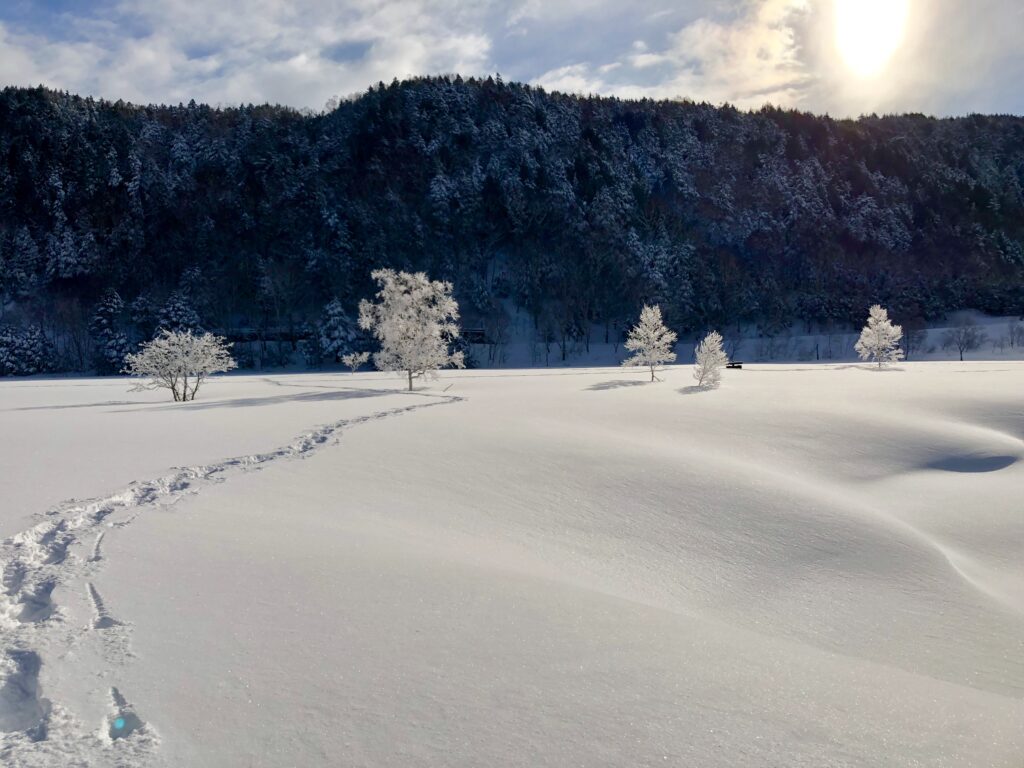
253	50
574	78
644	60
957	57
748	60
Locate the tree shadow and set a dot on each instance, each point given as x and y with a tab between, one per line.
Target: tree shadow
693	389
258	402
816	367
823	366
75	405
604	386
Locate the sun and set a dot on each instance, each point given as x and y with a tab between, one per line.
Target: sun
868	32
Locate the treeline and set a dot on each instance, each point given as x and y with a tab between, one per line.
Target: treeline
575	210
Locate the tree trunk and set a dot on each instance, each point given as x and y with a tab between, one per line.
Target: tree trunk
410	380
652	373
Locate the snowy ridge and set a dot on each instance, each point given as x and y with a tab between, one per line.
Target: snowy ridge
36	731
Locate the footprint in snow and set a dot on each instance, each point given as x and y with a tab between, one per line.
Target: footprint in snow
123	722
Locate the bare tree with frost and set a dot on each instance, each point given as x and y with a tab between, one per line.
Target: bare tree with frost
710	360
415	320
966	336
880	340
650	341
355	360
179	361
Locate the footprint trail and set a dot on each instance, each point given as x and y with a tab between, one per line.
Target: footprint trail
35	730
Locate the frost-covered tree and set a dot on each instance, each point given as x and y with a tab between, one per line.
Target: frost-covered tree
710	359
880	340
179	361
415	320
111	343
967	336
650	341
355	360
336	332
178	315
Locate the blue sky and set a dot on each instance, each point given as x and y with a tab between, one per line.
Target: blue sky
955	57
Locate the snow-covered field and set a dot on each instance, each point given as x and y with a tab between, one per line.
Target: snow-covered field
812	566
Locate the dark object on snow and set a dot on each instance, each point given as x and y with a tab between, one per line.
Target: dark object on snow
734	365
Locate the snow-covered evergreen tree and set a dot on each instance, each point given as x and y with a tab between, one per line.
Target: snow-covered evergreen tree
309	346
179	361
24	352
178	315
650	341
468	165
710	360
143	314
880	340
67	255
195	287
111	343
20	265
415	320
336	331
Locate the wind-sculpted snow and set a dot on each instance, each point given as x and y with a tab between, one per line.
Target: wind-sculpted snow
808	566
39	731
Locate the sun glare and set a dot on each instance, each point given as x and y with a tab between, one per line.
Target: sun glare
868	32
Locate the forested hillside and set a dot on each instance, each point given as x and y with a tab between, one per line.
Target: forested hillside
575	210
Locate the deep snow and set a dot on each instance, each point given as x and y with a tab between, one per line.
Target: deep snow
813	565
